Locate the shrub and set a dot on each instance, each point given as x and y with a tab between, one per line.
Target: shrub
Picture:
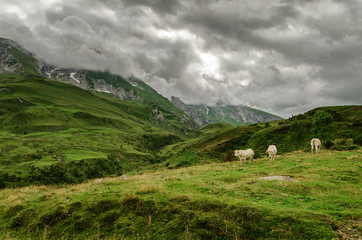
358	139
323	127
344	144
228	156
2	182
328	144
297	134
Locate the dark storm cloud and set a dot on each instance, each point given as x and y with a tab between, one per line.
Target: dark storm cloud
159	6
282	56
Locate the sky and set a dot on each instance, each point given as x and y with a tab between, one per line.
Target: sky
282	56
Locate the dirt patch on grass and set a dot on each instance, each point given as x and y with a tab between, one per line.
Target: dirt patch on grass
283	178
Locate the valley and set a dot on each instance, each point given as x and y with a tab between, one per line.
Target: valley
92	155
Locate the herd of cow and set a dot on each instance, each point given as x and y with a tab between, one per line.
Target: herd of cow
272	151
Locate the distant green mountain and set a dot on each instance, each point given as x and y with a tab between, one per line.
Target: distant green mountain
230	114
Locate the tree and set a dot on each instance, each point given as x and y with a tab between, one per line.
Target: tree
323	127
297	134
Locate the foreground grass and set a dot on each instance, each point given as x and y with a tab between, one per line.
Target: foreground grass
219	200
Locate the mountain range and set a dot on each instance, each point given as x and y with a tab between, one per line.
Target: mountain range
16	59
230	114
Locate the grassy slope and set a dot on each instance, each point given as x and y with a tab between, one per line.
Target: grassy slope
60	120
204	148
218	201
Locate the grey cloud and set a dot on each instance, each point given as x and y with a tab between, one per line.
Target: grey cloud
12	26
285	57
160	6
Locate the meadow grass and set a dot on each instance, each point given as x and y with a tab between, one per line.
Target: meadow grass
323	202
62	123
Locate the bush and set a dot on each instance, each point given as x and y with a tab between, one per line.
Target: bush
323	125
2	182
328	144
344	144
358	139
228	156
297	135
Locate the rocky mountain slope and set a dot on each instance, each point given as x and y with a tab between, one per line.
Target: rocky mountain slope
15	59
233	115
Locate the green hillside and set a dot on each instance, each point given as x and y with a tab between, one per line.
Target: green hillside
53	132
211	147
56	133
320	198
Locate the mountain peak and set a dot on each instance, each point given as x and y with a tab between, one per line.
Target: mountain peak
15	59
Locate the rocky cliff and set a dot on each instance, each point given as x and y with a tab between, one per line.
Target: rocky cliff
196	115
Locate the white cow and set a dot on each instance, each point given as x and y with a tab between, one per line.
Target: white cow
245	154
272	150
316	145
